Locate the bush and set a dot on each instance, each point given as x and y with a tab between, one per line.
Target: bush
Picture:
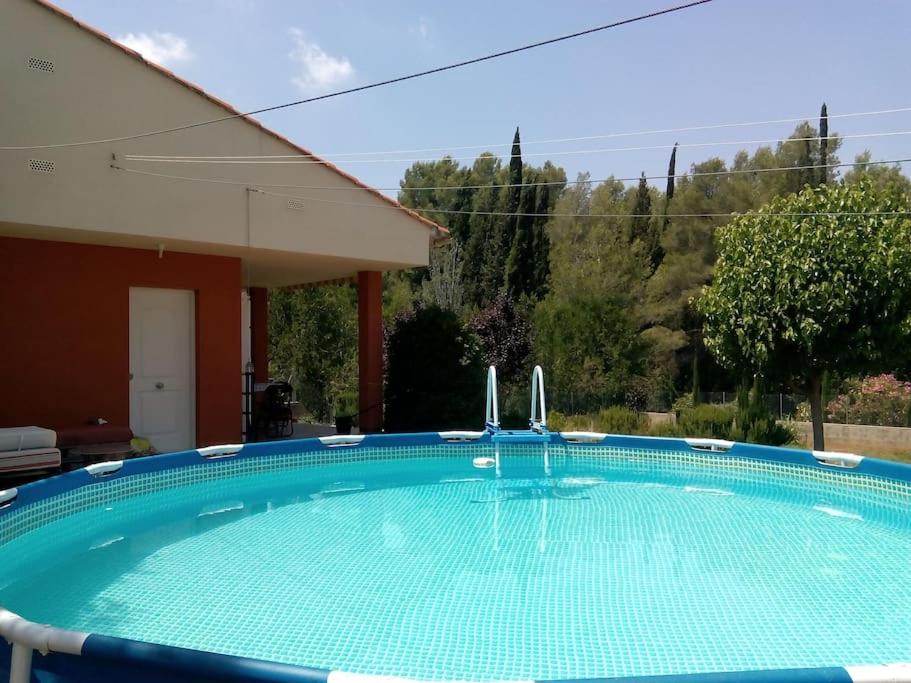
558	422
434	373
880	400
505	335
755	423
667	429
706	420
620	420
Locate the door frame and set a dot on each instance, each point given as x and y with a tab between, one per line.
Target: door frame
193	368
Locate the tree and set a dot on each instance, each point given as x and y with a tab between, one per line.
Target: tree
587	325
883	177
520	265
434	373
642	213
313	343
498	247
794	296
505	334
823	144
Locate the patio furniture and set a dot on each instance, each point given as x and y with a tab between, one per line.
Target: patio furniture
90	443
276	420
26	449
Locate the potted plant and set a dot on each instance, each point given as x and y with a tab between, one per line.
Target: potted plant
345	412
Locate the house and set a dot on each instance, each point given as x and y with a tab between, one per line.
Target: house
139	298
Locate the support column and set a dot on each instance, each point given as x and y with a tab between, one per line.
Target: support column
259	333
370	350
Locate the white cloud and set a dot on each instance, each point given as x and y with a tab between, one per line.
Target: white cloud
319	70
161	48
422	28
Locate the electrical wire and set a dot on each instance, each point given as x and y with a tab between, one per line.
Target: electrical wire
552	183
730	214
377	84
584	138
301	160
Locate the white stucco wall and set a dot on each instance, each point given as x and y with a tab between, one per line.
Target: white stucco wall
97	91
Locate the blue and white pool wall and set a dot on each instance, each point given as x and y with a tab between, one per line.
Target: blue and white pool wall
36	653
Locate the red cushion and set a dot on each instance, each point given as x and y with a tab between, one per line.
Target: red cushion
84	434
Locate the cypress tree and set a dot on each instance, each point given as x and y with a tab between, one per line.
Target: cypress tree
657	254
642	213
823	144
499	247
671	177
520	268
541	243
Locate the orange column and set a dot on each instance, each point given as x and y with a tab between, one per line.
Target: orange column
370	350
259	333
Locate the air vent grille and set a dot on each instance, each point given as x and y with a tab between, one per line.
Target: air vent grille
296	204
42	166
41	64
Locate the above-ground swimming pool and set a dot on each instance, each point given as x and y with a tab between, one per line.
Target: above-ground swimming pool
408	556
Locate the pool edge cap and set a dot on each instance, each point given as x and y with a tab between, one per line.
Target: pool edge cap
342	439
838	459
584	437
101	469
7	496
898	672
222	451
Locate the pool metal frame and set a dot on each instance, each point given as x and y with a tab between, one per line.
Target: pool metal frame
75	656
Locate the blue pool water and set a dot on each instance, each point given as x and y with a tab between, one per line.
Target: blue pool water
429	568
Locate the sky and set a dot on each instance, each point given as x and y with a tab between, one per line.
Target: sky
727	61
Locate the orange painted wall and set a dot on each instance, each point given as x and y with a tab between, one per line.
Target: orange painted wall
64	333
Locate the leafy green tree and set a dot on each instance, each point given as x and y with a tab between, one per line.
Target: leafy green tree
434	373
482	227
881	176
587	325
313	343
796	295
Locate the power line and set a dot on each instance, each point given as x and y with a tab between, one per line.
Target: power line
377	84
551	183
730	214
656	131
301	160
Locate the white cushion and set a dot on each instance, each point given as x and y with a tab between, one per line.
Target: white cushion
21	438
29	459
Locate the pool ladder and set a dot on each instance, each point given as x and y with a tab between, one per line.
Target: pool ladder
537	422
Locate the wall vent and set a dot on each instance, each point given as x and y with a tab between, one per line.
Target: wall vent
296	204
42	166
41	64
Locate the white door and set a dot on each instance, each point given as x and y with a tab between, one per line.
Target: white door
162	367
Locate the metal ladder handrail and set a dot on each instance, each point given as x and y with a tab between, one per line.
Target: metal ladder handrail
537	401
492	418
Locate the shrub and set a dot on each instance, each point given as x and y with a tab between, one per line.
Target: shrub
706	420
755	423
558	422
620	420
668	429
434	373
505	335
880	400
683	402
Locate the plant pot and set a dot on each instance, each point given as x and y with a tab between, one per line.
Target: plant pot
343	424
